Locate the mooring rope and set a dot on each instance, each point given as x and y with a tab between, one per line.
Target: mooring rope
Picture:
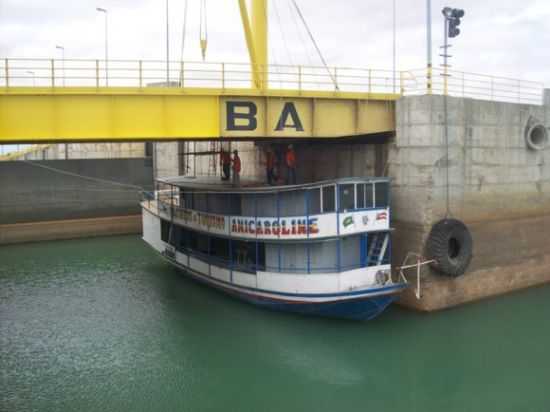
94	179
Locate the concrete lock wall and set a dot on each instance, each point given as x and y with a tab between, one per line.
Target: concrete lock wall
31	193
498	186
86	151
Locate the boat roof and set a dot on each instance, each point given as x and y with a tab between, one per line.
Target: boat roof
214	184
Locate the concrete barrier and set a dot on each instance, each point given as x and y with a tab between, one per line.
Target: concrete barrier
69	229
498	186
71	189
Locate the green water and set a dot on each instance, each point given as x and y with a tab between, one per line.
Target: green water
105	325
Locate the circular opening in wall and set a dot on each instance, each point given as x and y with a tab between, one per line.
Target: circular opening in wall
537	137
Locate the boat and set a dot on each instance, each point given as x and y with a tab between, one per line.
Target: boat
320	248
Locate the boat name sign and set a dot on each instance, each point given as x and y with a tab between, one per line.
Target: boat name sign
319	226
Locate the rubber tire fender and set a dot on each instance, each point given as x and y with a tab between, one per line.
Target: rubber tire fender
450	244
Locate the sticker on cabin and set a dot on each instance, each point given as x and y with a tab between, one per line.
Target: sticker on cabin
348	221
382	216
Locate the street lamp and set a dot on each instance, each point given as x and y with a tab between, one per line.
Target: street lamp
394	44
429	45
33	78
167	46
101	10
62	61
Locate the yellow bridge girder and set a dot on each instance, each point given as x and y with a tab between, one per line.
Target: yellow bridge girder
53	115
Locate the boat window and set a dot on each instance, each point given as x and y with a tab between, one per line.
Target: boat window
244	255
369	196
293	257
248	204
218	203
323	257
165	230
360	190
184	239
200	201
381	194
187	202
347	197
266	204
219	249
260	258
292	203
234	205
328	199
350	253
200	242
314	201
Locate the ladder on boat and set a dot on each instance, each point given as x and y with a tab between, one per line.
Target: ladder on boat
379	243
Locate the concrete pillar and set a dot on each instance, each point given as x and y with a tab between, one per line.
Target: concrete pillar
546	97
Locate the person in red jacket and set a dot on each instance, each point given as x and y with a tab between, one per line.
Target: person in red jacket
236	168
225	162
290	159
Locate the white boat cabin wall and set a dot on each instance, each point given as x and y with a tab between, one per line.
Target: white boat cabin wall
329	227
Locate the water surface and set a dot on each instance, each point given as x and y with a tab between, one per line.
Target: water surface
105	325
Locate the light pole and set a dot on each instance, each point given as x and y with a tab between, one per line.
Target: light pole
167	46
62	61
429	45
452	21
394	44
33	78
104	11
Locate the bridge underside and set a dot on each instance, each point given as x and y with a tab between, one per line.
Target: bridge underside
46	115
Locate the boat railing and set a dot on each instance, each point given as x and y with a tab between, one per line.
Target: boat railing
292	202
252	267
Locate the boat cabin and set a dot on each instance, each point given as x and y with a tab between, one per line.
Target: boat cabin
325	227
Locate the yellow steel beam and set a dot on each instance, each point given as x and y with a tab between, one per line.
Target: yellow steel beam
255	30
259	25
35	115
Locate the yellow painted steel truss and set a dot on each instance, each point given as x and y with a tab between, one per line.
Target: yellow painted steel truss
49	101
206	101
83	114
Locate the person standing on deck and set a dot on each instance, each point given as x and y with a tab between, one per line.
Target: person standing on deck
270	166
290	159
236	168
225	162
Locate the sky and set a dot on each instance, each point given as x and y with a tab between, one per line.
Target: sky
505	37
499	37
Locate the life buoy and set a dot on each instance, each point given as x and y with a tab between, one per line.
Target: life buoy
450	245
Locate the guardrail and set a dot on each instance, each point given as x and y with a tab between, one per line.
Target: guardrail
476	86
55	73
58	73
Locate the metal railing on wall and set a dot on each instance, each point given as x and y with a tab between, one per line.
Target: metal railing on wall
476	86
58	73
55	73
